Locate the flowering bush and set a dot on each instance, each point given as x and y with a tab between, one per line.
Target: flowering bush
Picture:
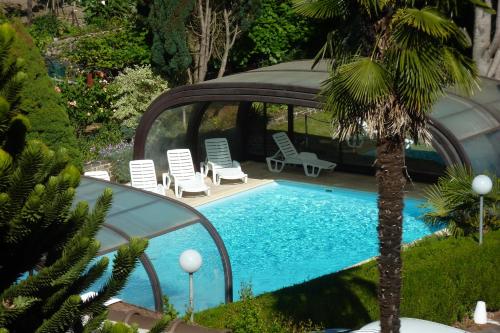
134	90
87	106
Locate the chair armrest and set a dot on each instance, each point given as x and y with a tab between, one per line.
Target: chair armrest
210	166
277	155
236	164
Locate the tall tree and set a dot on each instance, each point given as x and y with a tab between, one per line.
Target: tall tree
170	52
46	246
486	47
388	77
189	34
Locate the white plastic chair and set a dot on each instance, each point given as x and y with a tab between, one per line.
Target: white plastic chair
220	163
143	176
99	174
181	169
287	154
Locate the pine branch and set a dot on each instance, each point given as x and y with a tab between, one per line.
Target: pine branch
63	319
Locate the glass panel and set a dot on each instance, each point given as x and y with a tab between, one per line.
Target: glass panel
137	290
164	252
358	152
135	212
220	121
484	152
423	159
168	132
255	136
315	124
488	95
109	240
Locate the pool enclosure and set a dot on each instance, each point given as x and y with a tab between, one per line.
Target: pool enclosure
247	108
136	213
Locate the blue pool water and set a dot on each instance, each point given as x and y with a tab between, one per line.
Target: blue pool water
276	235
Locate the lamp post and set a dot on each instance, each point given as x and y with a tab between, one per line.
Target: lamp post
190	261
481	185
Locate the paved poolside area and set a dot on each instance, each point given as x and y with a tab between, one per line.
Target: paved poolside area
258	174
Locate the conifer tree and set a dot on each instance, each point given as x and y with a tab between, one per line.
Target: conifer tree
47	245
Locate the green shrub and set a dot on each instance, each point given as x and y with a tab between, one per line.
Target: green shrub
110	50
108	12
443	278
40	102
92	144
134	90
44	28
453	202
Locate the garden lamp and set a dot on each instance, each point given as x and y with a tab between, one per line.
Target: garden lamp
190	261
481	185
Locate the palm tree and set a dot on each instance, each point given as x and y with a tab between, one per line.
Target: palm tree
392	60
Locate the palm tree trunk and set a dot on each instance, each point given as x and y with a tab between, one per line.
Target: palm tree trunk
391	182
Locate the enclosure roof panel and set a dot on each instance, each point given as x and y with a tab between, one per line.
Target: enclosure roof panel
135	213
296	73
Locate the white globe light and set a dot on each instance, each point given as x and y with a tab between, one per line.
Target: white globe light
190	261
482	184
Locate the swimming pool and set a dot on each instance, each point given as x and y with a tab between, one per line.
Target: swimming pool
277	235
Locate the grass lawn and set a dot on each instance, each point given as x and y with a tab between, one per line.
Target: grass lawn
443	279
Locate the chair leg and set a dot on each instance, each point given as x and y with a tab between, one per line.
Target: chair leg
207	192
245	179
178	192
214	177
311	170
217	179
274	165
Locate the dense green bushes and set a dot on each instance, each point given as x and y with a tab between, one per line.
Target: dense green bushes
111	50
443	278
40	102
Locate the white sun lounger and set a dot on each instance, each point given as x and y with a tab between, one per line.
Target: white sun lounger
180	165
99	174
220	163
287	154
143	176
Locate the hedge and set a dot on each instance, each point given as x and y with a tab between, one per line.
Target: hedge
443	278
40	102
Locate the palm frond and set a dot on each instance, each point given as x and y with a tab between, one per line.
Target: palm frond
321	9
427	20
485	6
461	70
372	7
335	50
364	80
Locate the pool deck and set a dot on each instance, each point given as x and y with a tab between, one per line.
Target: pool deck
258	174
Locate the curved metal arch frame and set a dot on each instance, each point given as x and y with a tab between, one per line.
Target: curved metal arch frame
445	143
148	265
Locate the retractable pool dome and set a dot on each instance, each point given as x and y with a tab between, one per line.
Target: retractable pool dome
465	129
137	213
